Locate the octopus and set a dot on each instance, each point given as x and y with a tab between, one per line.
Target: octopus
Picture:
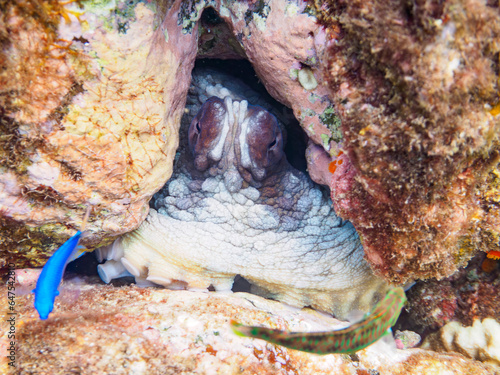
235	206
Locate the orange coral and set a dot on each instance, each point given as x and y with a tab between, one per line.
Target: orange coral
332	167
493	254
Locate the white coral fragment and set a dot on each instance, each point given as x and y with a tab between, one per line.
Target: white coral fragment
481	341
307	79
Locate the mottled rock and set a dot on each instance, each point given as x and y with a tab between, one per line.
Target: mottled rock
433	304
406	339
90	112
468	295
132	330
414	85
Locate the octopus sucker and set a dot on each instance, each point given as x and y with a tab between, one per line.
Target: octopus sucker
112	269
235	206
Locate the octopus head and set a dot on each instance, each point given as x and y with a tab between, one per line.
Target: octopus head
243	142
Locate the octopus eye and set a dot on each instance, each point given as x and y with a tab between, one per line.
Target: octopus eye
274	150
262	149
272	145
205	130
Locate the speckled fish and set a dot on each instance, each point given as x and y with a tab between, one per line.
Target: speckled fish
48	282
346	340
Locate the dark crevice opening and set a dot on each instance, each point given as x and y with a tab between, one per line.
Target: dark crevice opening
241	285
210	17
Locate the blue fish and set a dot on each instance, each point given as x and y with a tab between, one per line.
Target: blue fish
51	276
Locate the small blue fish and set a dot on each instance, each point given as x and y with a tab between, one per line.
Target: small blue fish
51	276
53	271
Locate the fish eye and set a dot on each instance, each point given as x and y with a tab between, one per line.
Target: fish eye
198	127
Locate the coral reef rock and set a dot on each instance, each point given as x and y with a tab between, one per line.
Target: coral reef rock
130	330
415	85
90	111
481	341
406	339
468	295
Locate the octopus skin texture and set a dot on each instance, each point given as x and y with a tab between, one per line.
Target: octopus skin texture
235	206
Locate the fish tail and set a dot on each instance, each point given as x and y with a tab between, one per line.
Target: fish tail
239	328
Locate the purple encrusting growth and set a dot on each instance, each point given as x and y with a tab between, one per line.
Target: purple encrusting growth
347	340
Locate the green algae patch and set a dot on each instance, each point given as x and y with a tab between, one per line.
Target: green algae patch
330	119
189	14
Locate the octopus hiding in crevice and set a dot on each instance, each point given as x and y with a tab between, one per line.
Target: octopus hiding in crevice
235	206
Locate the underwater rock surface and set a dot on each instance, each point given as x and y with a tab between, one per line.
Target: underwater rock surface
468	295
89	117
100	329
480	341
416	87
